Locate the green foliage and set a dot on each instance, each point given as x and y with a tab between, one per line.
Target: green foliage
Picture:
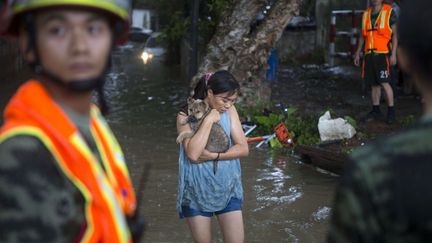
303	128
290	111
174	17
351	121
248	113
174	33
176	28
211	13
408	120
275	144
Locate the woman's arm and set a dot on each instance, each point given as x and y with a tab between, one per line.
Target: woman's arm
240	148
194	146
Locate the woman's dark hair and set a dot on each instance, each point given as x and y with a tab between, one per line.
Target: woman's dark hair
219	82
415	35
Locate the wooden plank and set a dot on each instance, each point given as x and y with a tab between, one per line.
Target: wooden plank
322	157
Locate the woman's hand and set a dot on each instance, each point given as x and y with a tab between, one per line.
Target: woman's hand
240	147
213	116
195	145
207	155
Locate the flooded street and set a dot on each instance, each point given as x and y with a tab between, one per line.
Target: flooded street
285	200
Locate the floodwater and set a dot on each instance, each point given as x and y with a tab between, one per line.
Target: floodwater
285	200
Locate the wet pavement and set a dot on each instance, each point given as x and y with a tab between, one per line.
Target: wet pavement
314	89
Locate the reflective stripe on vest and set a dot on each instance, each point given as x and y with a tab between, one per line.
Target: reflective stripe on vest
113	158
108	196
107	190
378	35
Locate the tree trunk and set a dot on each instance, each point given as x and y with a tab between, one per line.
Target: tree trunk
244	52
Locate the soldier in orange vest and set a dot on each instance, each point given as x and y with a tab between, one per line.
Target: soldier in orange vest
378	27
384	194
63	177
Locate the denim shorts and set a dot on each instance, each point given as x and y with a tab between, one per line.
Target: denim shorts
233	205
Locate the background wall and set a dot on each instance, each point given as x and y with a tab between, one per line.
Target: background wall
312	43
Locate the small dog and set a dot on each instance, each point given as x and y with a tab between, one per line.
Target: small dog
218	141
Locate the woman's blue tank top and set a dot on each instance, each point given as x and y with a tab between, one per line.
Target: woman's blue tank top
201	189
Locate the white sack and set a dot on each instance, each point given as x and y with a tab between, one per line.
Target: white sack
334	129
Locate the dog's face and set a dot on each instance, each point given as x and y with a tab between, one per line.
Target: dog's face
197	108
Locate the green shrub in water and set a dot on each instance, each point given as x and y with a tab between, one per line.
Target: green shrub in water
304	129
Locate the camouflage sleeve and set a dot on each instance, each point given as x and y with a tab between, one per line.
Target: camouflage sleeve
353	218
38	203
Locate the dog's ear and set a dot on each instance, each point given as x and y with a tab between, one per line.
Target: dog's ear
204	106
190	100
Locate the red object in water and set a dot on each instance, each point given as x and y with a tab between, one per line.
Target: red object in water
283	134
257	139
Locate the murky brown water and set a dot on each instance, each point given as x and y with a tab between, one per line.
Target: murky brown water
285	200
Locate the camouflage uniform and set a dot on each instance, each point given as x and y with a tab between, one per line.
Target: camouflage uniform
38	203
385	193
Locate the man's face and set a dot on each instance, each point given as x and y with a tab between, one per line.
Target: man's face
73	44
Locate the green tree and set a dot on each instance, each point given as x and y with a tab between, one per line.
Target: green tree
236	40
174	17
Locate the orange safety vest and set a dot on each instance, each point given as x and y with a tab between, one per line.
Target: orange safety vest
108	194
378	35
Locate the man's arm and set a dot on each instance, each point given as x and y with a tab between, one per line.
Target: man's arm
38	203
357	53
393	25
353	218
393	57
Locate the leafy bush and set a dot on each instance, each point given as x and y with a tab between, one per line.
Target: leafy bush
303	128
351	121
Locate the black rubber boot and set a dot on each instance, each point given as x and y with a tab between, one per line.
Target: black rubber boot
391	116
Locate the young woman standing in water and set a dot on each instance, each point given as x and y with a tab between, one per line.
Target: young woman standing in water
201	192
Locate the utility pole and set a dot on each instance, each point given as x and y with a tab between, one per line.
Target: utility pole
193	68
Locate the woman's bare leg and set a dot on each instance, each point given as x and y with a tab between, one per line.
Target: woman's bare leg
200	227
231	225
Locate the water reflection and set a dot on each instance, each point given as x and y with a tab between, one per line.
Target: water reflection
285	200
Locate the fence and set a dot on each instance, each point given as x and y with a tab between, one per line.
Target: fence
352	34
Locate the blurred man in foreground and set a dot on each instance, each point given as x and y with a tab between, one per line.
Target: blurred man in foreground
63	177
